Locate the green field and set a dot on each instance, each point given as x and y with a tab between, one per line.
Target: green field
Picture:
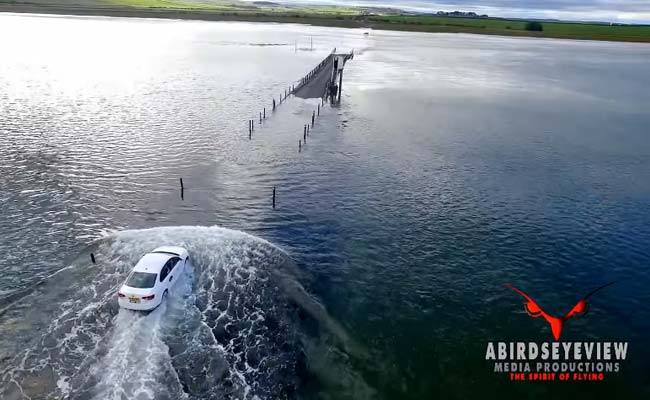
362	17
495	26
351	17
170	4
237	7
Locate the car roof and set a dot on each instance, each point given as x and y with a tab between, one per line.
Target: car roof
174	250
152	262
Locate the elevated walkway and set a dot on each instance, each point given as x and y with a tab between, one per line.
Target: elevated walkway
321	81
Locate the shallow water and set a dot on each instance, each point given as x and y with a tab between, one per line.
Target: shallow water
454	164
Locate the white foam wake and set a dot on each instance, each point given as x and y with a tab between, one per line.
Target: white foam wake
138	364
237	325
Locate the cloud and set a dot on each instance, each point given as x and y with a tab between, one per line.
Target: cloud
631	11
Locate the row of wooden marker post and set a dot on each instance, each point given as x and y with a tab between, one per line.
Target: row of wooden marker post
307	127
283	98
292	90
251	126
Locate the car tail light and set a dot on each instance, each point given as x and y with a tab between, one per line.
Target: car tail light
148	297
120	294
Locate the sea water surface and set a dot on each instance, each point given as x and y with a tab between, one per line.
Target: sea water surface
453	165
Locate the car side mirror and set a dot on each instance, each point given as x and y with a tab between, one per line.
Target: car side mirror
171	277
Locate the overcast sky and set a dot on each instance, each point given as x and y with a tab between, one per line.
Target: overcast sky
637	11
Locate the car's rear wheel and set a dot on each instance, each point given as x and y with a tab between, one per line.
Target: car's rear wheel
164	296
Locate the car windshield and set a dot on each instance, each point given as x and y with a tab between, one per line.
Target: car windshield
141	280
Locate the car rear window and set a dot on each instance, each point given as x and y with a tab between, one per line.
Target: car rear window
141	280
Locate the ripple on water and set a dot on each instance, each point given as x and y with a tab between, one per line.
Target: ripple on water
237	325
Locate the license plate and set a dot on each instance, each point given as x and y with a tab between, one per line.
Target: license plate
134	299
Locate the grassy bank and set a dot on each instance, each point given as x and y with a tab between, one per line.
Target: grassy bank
329	16
497	26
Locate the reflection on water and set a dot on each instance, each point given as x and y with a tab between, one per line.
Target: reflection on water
454	164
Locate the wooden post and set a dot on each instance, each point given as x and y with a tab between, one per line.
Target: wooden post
249	126
274	197
92	258
313	116
183	188
299	146
260	117
264	112
304	134
273	104
340	84
253	125
319	109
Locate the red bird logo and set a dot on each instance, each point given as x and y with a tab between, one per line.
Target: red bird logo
556	323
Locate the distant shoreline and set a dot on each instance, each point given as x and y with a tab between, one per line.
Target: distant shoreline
393	23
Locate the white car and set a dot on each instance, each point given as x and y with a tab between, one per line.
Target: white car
152	278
